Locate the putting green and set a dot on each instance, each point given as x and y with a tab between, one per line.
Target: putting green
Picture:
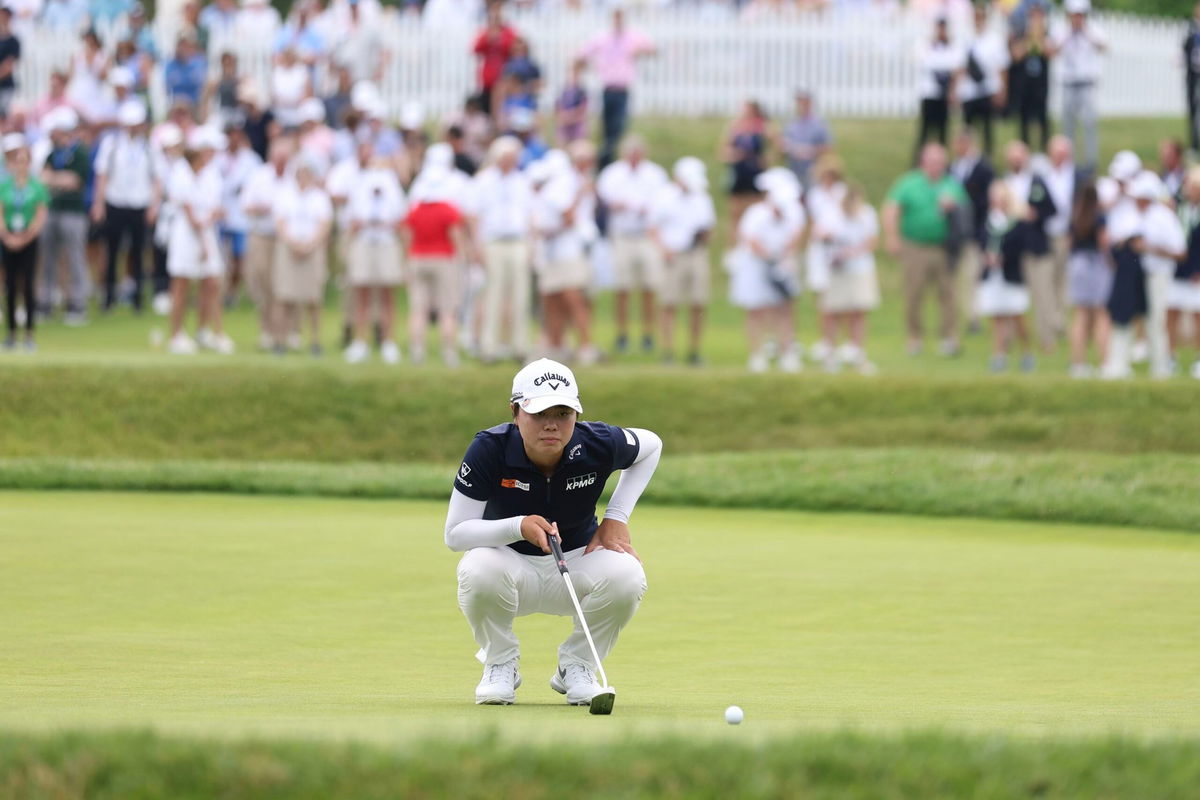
335	618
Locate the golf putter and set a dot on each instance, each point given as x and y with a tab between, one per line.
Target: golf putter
603	702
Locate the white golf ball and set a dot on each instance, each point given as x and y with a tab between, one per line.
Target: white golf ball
734	715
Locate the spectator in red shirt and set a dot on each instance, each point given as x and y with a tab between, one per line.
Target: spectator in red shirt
435	232
493	47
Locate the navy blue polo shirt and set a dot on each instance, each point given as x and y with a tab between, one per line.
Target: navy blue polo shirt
497	471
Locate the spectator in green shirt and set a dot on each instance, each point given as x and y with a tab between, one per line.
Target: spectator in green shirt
917	230
23	202
66	172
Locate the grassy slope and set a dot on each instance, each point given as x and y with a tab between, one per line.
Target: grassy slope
242	413
230	616
841	766
1157	490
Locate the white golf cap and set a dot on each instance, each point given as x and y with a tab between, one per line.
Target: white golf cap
692	173
364	95
120	77
12	141
61	119
312	110
131	114
433	185
1146	186
170	135
539	171
206	137
1077	6
544	384
1125	166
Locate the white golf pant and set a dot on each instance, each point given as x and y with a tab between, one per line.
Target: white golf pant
1158	285
498	584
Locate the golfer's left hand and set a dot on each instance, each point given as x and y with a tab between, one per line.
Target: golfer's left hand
612	535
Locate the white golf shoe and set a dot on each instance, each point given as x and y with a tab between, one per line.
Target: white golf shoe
577	682
357	352
181	345
498	686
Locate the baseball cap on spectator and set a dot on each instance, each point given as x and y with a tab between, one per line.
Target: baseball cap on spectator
1125	166
544	384
312	110
120	77
691	172
433	185
412	116
1077	6
206	137
170	135
61	119
131	114
521	119
12	141
1146	186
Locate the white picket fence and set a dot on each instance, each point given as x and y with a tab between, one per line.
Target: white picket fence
859	64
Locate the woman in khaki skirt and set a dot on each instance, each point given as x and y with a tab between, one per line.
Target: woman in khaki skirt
853	287
303	218
374	265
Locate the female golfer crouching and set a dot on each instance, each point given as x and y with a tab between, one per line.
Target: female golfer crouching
519	479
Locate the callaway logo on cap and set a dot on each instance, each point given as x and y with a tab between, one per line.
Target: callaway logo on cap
544	384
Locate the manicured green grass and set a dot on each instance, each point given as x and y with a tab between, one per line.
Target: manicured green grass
1157	491
231	616
837	766
241	413
875	152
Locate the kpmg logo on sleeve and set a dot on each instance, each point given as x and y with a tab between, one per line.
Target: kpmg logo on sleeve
581	481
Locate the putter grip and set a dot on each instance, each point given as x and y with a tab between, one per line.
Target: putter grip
556	548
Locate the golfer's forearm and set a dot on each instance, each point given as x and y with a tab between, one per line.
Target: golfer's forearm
466	529
634	480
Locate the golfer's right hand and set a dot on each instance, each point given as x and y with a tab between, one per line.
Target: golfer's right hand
535	529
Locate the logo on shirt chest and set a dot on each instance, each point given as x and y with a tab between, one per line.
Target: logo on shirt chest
581	481
513	483
575	453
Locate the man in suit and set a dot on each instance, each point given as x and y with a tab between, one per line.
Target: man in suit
1038	262
974	171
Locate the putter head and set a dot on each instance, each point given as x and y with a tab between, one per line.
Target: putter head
603	702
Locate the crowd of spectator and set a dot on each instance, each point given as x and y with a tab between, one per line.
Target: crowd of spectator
281	191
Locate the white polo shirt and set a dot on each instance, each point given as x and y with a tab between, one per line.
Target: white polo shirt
300	215
1123	220
772	232
938	60
1162	229
631	192
199	193
854	231
502	203
236	169
340	183
261	189
128	164
1061	183
991	54
565	241
1078	56
680	216
377	203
